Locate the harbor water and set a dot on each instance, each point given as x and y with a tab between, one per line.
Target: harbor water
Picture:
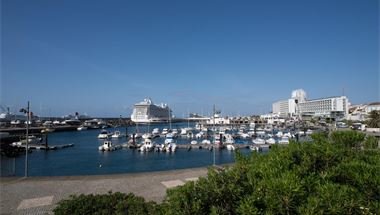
85	158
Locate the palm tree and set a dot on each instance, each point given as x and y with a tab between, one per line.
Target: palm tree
374	119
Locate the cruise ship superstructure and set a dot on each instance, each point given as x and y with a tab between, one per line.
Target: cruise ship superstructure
147	112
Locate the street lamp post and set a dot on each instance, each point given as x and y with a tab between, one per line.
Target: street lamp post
213	116
27	112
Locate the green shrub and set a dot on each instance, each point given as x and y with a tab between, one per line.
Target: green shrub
111	203
349	139
371	143
325	176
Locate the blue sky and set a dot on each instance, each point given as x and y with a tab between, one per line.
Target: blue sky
101	57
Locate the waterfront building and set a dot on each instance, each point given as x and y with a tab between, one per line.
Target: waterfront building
217	119
284	108
298	105
361	112
272	118
148	112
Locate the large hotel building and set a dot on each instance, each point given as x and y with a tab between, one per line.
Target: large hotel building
298	106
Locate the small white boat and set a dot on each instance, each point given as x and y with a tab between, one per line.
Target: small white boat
172	147
206	142
279	134
174	133
230	147
190	135
309	132
117	134
284	140
260	132
199	135
104	134
147	136
270	141
107	146
244	135
183	131
258	141
156	132
82	128
194	142
31	140
164	131
169	138
147	146
15	122
137	135
254	148
229	139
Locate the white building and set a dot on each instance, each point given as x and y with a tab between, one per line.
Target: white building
335	107
298	105
284	108
361	112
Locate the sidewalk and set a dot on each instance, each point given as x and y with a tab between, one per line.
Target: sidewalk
39	195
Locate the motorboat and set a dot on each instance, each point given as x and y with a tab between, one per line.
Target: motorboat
309	132
260	132
194	142
15	122
184	131
229	139
258	141
136	135
190	135
270	141
284	140
254	148
147	146
104	134
156	132
230	147
82	128
174	133
47	130
164	131
172	147
206	142
279	134
107	146
199	135
169	138
147	136
117	134
31	140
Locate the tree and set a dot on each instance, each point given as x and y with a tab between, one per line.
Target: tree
374	119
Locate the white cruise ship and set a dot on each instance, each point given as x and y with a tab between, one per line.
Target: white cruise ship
147	112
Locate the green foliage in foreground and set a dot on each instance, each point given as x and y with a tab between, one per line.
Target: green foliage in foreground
333	174
111	203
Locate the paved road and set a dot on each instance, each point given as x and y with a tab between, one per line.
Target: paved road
39	195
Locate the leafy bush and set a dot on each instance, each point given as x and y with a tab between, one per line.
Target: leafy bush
111	203
331	175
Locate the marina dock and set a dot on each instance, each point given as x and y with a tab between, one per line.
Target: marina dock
45	147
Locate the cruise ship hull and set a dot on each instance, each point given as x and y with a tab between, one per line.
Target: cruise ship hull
147	112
